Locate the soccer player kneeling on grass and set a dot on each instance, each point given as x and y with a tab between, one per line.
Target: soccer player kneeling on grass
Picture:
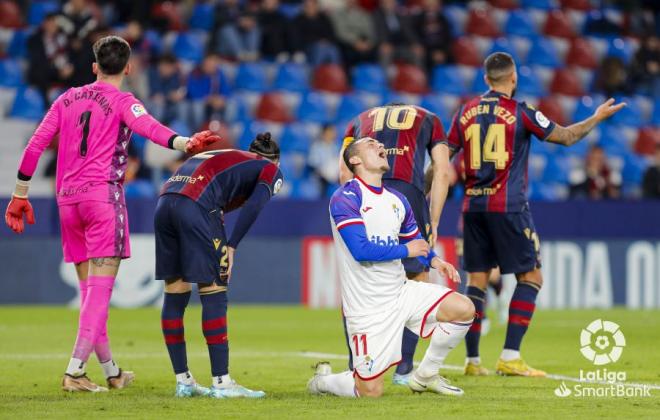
374	228
191	247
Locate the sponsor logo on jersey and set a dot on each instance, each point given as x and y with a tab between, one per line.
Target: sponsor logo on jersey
138	110
185	178
366	209
397	151
388	241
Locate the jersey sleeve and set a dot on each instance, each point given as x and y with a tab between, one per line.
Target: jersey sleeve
438	135
454	139
42	137
535	122
271	177
345	209
138	120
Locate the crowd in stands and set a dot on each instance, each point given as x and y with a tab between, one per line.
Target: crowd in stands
304	68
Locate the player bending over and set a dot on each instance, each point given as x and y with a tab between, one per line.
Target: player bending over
495	130
374	229
94	123
191	247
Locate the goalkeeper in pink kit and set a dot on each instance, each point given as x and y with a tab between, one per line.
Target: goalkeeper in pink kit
94	123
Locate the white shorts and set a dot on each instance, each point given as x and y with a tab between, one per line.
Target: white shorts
375	340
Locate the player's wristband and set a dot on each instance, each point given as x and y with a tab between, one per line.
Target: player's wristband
21	188
178	143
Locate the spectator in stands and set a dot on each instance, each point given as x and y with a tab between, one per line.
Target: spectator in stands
434	31
651	180
83	58
274	31
137	81
238	36
322	159
355	32
645	67
166	90
596	180
77	21
395	36
612	78
207	91
313	36
48	61
134	35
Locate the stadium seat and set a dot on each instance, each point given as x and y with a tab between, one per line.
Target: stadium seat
480	22
10	15
633	168
251	76
255	127
39	10
613	140
296	138
557	170
457	15
314	108
11	73
18	45
559	24
566	82
529	82
448	79
291	77
552	109
272	107
630	115
503	45
349	107
140	188
505	4
655	116
369	78
466	52
581	54
410	79
538	4
584	5
28	104
543	53
155	41
520	23
622	49
202	16
479	85
169	12
189	46
585	107
648	139
330	78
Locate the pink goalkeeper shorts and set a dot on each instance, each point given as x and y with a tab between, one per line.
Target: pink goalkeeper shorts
94	229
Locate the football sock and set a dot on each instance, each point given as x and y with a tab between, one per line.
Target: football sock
478	298
110	368
171	319
340	384
221	381
93	314
348	344
446	336
76	367
214	327
185	378
521	310
509	355
102	345
408	346
473	360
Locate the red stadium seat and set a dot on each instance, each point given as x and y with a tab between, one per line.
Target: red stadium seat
647	140
168	11
505	4
581	54
559	24
576	4
222	130
330	78
466	52
410	79
552	109
10	15
272	107
481	22
566	82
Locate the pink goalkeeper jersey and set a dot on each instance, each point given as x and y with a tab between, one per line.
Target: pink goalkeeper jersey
95	123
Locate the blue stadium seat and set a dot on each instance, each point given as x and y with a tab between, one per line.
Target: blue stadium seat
39	10
349	107
585	107
314	108
11	74
613	140
520	23
543	53
529	82
655	117
189	46
292	166
28	104
181	127
448	79
305	189
557	170
140	188
630	115
202	16
369	78
292	77
251	76
622	49
479	85
250	132
503	45
18	45
296	138
438	106
633	168
538	4
155	41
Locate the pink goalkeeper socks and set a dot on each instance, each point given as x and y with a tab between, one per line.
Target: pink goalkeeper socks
93	317
102	345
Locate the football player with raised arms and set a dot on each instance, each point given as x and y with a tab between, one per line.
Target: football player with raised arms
374	228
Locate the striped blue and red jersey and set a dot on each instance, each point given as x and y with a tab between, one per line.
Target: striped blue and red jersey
495	132
223	179
408	133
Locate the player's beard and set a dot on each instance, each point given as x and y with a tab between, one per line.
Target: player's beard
513	92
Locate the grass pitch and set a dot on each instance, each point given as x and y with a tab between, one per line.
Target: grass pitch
266	353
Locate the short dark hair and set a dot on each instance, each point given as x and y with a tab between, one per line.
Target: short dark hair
349	151
264	145
498	65
111	54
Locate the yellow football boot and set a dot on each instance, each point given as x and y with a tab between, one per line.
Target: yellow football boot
517	367
475	369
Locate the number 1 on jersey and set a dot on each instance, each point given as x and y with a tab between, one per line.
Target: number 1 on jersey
84	120
494	149
356	344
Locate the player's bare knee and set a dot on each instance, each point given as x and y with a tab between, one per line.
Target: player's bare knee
456	307
177	286
535	277
211	288
479	280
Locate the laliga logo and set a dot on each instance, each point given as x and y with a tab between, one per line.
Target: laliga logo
602	342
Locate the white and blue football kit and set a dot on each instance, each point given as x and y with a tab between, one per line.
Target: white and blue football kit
370	227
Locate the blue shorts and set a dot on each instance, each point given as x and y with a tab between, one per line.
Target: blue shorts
190	241
420	208
505	240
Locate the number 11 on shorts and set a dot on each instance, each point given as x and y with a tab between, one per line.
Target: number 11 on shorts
357	340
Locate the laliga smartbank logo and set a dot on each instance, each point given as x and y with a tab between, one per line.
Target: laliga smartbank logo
602	343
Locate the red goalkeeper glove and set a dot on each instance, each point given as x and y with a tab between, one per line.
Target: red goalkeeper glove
200	140
14	214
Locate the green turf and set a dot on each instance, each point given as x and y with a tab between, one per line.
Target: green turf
35	343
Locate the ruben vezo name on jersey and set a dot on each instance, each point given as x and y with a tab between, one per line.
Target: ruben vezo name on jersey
498	111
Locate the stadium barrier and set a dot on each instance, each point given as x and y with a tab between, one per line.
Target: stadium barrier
595	255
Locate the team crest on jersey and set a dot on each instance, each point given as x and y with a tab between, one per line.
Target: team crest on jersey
138	110
542	119
277	186
397	210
